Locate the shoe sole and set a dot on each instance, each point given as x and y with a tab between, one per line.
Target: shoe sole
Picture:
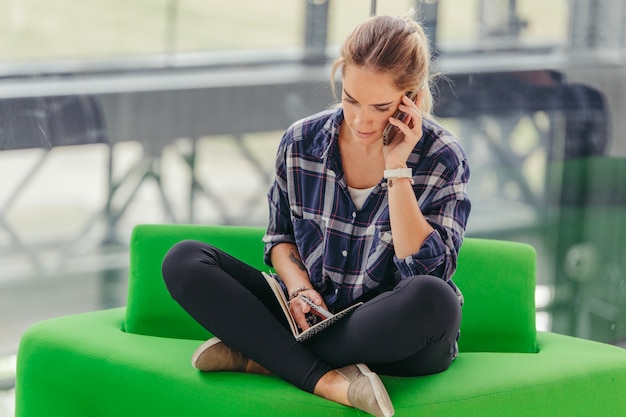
201	349
382	397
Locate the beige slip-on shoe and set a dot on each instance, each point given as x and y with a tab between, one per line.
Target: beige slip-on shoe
366	391
213	355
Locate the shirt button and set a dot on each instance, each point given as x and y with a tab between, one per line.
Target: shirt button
344	253
354	214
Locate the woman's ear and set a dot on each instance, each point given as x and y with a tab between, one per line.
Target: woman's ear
420	96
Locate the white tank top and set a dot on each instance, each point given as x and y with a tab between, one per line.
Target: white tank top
359	195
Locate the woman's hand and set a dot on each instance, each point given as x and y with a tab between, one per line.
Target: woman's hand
288	264
299	308
397	152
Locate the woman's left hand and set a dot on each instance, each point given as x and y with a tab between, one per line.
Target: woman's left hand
397	152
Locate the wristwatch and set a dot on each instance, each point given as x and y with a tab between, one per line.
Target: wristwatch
398	173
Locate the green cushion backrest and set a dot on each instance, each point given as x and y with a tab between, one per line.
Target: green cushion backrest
150	309
497	280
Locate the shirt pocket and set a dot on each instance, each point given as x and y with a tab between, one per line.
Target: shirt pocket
309	236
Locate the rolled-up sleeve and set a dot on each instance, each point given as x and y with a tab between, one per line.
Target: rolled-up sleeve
446	206
279	227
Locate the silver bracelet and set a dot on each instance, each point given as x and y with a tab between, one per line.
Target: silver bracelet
297	291
391	180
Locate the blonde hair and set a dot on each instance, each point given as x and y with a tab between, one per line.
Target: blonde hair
395	45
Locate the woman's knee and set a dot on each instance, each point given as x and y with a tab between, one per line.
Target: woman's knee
431	287
180	261
434	295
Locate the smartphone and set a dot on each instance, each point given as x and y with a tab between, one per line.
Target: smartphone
325	313
390	130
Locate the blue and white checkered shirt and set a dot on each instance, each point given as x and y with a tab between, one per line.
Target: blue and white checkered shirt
348	252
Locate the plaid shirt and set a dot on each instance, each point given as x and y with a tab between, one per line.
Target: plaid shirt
348	252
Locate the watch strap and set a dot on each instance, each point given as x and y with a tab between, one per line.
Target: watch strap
398	173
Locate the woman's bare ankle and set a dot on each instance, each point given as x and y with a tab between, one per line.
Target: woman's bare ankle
333	387
254	368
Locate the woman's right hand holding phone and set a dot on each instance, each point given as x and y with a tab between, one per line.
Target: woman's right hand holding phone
398	149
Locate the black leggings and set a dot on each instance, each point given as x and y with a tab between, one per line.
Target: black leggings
408	331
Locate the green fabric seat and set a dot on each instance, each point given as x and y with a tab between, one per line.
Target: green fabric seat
135	361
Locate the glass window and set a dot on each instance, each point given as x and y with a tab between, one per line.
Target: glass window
498	23
61	29
239	24
346	14
34	30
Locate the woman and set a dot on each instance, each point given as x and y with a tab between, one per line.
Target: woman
351	220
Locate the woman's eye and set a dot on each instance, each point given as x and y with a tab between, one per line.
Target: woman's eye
383	109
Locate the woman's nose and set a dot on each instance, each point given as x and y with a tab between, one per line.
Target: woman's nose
363	118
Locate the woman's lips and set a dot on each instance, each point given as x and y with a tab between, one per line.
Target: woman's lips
363	135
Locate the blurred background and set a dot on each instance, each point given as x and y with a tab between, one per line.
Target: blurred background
119	112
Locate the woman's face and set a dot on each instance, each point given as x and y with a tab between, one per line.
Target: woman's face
368	99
